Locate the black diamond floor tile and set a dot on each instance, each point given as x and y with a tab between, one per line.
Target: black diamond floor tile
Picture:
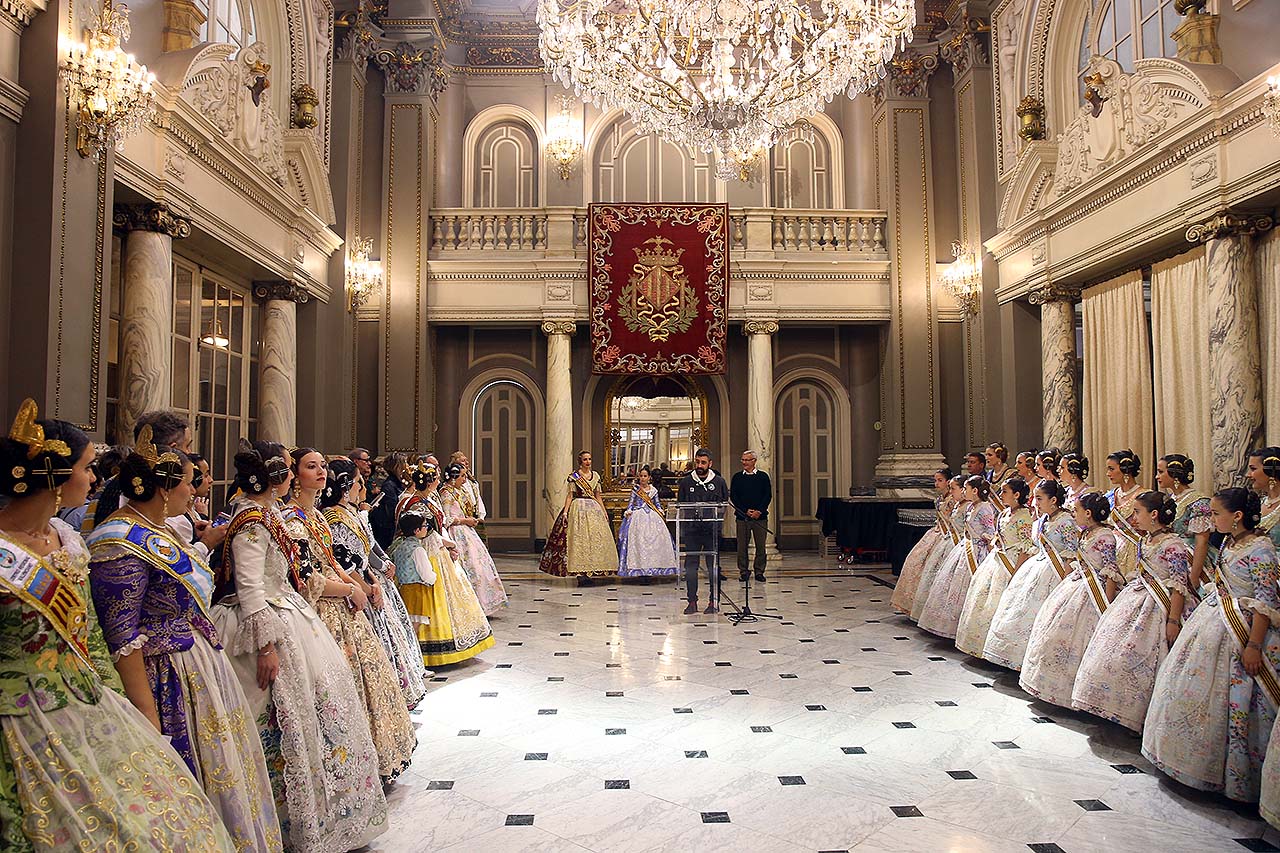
791	780
854	750
961	774
1046	848
1004	744
1093	805
904	725
907	811
617	784
945	704
535	756
715	817
519	820
440	785
1128	769
695	753
762	730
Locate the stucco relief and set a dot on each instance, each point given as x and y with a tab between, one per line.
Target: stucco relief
230	92
1006	41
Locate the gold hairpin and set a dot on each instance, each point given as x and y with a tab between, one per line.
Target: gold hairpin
26	431
146	448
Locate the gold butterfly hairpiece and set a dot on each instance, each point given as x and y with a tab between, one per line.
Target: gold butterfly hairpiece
26	431
146	448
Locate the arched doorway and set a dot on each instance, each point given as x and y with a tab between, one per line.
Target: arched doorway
504	426
805	460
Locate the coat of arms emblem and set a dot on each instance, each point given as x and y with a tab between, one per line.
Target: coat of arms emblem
658	301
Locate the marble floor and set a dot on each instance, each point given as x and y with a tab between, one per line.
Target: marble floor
604	720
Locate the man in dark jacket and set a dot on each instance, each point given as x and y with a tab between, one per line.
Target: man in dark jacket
751	493
382	517
700	528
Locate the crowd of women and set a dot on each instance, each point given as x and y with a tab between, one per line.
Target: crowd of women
1157	609
241	684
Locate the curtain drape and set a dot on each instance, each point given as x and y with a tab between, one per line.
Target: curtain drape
1180	360
1117	401
1267	258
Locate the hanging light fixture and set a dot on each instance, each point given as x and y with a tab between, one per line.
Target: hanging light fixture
720	75
109	92
215	337
563	146
963	277
363	275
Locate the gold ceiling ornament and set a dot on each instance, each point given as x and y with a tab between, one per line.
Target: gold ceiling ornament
720	75
363	275
564	146
963	278
110	93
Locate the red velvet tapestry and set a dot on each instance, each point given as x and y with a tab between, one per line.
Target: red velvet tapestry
659	282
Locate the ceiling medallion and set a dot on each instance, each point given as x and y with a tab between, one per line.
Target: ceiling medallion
721	76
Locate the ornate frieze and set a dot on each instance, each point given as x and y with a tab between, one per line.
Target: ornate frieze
285	290
1228	224
509	55
151	216
413	70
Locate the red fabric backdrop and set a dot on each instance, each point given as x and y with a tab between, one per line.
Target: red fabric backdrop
659	282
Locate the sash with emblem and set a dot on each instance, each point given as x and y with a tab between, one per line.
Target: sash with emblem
1152	582
159	548
36	583
1238	626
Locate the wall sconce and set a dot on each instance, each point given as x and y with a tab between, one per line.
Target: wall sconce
562	146
1031	118
363	275
108	91
1271	103
963	277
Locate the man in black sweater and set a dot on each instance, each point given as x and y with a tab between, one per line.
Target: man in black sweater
700	537
751	493
382	516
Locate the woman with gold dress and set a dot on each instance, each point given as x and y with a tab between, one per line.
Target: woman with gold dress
80	767
581	542
1123	467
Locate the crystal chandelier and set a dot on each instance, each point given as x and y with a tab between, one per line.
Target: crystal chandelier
363	275
720	75
109	92
963	277
563	147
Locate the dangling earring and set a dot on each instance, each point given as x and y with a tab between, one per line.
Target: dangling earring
57	500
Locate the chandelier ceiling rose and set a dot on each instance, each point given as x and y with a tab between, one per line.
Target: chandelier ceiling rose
727	77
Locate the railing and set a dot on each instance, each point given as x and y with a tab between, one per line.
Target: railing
562	231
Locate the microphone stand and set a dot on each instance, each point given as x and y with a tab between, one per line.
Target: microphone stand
743	614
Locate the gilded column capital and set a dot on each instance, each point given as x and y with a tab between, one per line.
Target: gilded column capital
151	216
1229	224
1054	292
357	36
907	74
558	327
968	43
284	290
760	327
412	70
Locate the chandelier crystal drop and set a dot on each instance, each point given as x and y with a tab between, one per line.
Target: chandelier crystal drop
364	276
721	75
110	93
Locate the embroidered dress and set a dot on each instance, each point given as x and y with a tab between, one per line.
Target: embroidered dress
447	617
472	553
644	542
581	541
1118	671
320	755
80	768
935	539
375	680
391	623
1123	505
1058	539
1270	524
1066	621
941	614
953	546
1209	720
152	597
1013	543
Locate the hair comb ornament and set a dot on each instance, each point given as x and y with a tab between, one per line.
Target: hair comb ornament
26	431
146	448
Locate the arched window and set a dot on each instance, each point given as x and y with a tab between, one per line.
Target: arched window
228	21
506	166
1125	30
628	166
802	173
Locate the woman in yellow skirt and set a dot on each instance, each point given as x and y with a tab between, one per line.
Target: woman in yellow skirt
446	615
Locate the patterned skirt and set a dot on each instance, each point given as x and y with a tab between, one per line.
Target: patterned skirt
447	618
646	547
904	593
941	613
1062	631
945	556
1010	632
395	630
481	571
980	604
580	543
98	777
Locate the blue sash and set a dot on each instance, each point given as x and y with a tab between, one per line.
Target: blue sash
159	548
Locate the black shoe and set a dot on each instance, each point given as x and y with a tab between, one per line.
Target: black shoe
742	578
711	608
691	609
760	577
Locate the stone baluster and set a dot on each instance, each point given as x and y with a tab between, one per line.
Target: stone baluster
278	362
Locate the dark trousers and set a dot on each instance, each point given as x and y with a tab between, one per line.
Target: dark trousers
754	528
700	543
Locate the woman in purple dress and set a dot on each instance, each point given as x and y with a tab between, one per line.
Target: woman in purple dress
644	542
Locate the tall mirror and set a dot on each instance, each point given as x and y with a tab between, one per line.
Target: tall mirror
650	420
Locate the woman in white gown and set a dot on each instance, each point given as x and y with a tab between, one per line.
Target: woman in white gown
942	611
644	542
462	517
1013	547
934	540
951	542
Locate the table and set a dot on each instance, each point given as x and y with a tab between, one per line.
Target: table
867	529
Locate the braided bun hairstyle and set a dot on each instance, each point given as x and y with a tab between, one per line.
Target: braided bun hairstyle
1180	468
1164	506
1053	489
1076	465
259	466
1247	502
1270	459
979	483
1050	459
1127	461
140	481
36	467
342	476
1098	507
1020	489
424	474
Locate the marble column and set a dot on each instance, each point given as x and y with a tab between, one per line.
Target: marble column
559	459
760	411
662	444
278	360
1059	386
146	310
1235	371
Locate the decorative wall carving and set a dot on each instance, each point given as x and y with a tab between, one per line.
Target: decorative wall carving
285	290
413	70
1054	292
516	55
358	37
558	327
968	44
760	327
909	72
1007	23
157	217
1203	170
1227	224
230	92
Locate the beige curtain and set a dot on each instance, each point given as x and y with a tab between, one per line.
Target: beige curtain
1267	257
1117	402
1180	357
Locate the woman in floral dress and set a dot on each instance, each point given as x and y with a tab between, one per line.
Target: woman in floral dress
353	540
320	755
1118	671
1013	547
645	548
1193	520
581	542
1215	698
1058	540
933	540
1264	473
376	682
1066	621
952	544
80	768
461	518
1123	468
1074	471
153	594
941	612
